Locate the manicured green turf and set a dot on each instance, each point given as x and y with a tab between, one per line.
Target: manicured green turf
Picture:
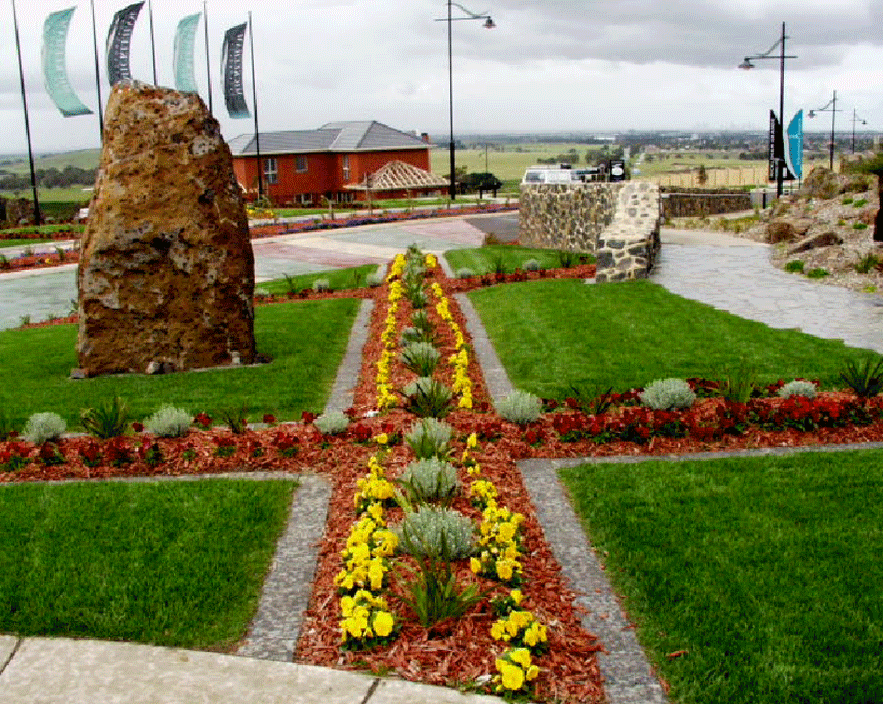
171	563
353	277
21	243
764	572
485	259
305	339
551	334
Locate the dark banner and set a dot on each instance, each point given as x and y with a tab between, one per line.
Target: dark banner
119	43
777	151
616	169
231	65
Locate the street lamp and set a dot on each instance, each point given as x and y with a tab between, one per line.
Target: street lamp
855	118
830	106
768	54
488	24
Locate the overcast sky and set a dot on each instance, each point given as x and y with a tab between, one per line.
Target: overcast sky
549	66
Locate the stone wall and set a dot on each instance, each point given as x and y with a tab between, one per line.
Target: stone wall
618	222
699	202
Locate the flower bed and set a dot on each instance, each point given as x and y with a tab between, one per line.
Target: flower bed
527	642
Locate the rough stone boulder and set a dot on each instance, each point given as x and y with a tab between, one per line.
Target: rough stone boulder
166	273
822	239
787	229
821	183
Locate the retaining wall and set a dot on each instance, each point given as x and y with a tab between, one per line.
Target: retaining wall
617	222
698	202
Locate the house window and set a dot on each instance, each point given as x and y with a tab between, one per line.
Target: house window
300	164
271	170
346	168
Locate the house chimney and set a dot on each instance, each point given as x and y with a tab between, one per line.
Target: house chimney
425	137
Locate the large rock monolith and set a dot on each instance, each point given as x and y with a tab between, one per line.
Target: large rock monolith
166	274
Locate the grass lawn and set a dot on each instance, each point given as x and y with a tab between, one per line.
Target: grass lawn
766	571
485	259
21	243
172	563
306	340
353	277
551	334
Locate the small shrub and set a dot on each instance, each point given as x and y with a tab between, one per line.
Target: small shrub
168	422
860	203
666	394
428	398
738	386
859	226
420	320
321	285
464	273
421	358
566	258
108	420
44	427
798	388
531	265
374	279
795	266
332	423
430	438
847	201
422	531
235	418
430	480
864	378
817	273
520	407
7	429
866	263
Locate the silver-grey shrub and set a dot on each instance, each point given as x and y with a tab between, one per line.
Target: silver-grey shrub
531	265
42	427
520	407
667	394
464	273
430	479
421	358
428	397
430	438
321	285
374	279
421	531
332	423
169	422
798	388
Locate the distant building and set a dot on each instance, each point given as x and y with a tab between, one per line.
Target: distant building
338	161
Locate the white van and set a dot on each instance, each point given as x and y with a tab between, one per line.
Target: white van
543	173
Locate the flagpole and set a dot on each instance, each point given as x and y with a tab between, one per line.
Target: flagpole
97	76
152	43
254	88
24	100
208	63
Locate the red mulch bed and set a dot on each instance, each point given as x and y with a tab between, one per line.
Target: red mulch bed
452	652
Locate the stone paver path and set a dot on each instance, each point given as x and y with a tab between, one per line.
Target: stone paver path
735	275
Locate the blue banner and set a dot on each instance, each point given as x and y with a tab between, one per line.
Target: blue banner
185	39
794	153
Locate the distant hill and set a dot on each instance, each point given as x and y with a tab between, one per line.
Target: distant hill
81	159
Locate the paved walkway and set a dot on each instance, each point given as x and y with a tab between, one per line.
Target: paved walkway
734	274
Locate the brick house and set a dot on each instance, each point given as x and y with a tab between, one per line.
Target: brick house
300	167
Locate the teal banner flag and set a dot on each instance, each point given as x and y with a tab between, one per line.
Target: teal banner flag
185	39
54	65
794	153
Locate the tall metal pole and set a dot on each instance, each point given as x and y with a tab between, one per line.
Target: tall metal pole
780	172
97	76
254	89
152	43
208	63
833	115
453	185
24	100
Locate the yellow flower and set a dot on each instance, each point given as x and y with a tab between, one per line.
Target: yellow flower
382	439
513	676
532	672
521	656
472	441
383	623
516	596
475	565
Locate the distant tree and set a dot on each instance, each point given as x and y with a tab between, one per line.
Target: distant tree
702	175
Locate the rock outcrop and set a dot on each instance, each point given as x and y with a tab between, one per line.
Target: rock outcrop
166	274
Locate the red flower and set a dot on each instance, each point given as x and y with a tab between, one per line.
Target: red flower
138	427
307	417
269	419
203	420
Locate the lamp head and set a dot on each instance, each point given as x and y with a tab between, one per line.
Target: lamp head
489	24
746	65
812	113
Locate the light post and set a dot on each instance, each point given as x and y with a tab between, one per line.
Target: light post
488	24
830	106
855	118
768	54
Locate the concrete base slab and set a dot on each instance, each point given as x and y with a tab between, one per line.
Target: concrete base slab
401	692
62	671
706	237
7	647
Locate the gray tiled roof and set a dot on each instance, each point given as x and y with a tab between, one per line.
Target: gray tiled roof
332	137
